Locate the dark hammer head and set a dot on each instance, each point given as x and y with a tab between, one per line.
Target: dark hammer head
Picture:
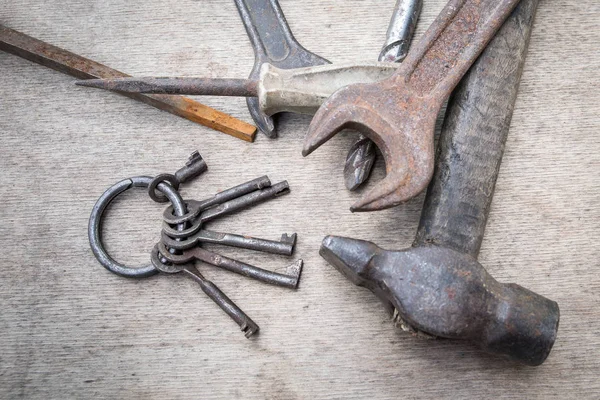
448	294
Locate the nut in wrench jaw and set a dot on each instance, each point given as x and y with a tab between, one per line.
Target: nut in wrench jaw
399	113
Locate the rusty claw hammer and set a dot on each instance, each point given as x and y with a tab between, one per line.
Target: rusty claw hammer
437	286
399	113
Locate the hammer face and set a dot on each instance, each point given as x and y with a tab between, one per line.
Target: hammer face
448	294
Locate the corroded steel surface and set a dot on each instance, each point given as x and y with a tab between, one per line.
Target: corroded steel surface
399	113
362	154
437	286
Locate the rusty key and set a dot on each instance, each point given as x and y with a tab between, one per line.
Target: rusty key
399	113
288	280
273	43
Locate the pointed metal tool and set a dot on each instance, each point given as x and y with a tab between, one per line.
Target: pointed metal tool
69	63
298	90
362	154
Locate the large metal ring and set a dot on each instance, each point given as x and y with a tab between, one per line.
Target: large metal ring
95	224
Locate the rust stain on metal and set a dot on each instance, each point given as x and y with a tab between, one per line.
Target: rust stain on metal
399	113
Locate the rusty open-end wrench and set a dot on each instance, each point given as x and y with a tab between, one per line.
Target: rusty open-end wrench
399	113
437	286
273	43
362	154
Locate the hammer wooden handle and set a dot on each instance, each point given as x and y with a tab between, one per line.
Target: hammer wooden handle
472	141
69	63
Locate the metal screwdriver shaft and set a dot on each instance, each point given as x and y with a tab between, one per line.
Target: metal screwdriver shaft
190	86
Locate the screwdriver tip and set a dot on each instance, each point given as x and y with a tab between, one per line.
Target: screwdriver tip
95	83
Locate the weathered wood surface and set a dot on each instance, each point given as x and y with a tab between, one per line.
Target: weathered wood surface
70	329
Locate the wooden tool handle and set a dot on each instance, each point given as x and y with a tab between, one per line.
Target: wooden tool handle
472	141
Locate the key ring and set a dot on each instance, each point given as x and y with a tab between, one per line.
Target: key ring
95	224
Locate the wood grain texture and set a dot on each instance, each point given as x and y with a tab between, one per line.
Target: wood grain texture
70	329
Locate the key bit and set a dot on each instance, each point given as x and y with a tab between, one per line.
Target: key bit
194	167
299	90
362	154
399	113
273	43
238	267
69	63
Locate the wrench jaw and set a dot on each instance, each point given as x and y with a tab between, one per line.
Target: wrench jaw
400	127
296	57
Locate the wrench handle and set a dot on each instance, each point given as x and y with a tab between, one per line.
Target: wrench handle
270	42
272	38
453	42
472	140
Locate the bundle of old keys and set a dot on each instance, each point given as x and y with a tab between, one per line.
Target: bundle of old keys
183	233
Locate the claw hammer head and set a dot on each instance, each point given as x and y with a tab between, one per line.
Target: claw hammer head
448	294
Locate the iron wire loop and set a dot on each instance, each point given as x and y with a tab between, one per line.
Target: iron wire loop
95	223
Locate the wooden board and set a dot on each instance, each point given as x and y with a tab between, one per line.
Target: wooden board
70	329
